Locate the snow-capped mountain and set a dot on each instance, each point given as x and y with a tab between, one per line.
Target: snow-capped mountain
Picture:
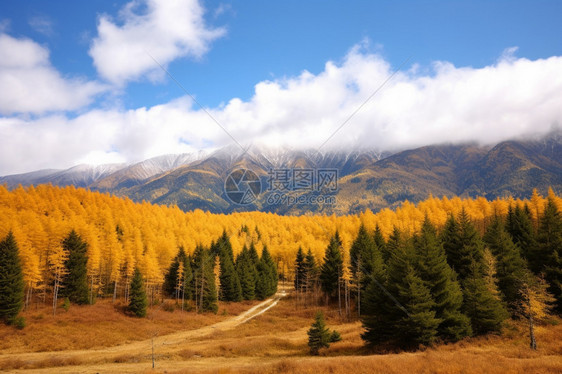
366	178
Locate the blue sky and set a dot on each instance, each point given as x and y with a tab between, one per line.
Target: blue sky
252	62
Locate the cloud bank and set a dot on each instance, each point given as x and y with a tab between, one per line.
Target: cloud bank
161	29
30	84
420	106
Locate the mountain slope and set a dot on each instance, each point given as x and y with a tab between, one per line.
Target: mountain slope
365	179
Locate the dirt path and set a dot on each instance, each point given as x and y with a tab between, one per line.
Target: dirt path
83	361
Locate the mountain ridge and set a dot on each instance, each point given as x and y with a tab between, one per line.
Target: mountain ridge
367	179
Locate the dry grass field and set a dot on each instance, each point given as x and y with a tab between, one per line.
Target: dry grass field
101	339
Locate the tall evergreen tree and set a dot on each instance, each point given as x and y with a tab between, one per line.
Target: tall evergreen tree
300	270
520	227
11	280
377	306
510	267
463	245
400	311
442	283
361	257
332	268
75	285
270	271
548	257
420	325
174	277
230	288
205	290
393	244
378	239
187	287
137	295
247	273
311	271
485	311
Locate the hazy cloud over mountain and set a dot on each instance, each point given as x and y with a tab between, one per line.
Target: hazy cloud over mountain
50	120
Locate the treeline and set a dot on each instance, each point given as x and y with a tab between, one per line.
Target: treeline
442	284
198	280
122	235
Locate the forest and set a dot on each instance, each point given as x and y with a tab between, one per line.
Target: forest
442	269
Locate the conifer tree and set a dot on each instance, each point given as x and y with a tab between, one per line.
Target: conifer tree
485	311
400	311
548	257
361	257
318	334
76	280
463	245
510	267
230	288
267	276
311	271
420	325
205	290
378	239
137	295
520	227
174	277
247	274
187	287
442	283
11	280
393	243
377	306
300	270
332	268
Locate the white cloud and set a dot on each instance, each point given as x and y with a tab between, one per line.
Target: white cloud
512	98
165	30
42	24
30	84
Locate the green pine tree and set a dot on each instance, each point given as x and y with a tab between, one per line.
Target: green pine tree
318	335
510	267
420	325
548	257
485	311
463	245
230	288
377	306
173	278
137	295
520	227
311	271
300	270
205	290
378	239
75	284
394	242
247	274
362	254
267	276
332	268
441	281
11	280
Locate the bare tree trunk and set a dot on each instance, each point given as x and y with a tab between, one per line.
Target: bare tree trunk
359	297
55	295
114	291
532	332
339	293
346	299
